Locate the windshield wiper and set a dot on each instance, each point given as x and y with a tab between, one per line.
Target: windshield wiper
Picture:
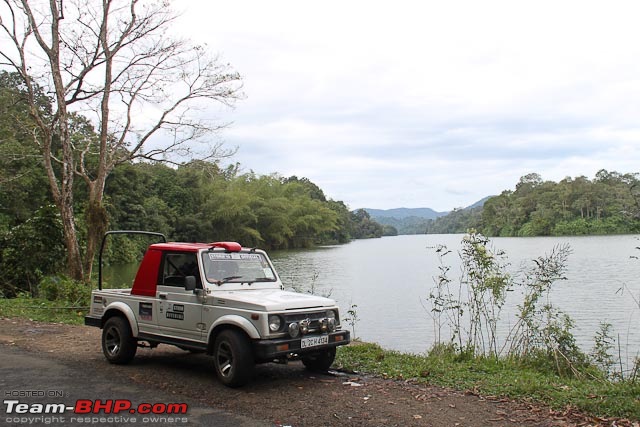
262	279
227	279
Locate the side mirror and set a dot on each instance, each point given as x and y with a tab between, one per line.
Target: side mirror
190	283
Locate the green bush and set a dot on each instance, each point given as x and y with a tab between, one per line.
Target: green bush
65	290
30	251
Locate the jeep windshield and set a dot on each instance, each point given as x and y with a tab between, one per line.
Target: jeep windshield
236	267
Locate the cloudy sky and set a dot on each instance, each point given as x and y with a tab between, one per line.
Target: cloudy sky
428	103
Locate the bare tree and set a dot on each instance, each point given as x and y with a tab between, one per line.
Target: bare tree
110	62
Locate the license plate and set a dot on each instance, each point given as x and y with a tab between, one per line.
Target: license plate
314	341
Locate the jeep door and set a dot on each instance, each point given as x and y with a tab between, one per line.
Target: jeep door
179	310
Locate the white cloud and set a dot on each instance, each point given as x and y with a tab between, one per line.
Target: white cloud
432	104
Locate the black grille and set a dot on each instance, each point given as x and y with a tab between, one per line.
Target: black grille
311	316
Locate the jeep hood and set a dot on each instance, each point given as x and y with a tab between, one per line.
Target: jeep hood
269	300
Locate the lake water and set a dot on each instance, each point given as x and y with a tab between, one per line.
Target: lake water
389	278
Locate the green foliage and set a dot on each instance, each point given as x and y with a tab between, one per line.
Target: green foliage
455	222
608	204
352	319
363	227
389	230
42	310
200	201
30	251
65	291
601	355
542	332
471	308
406	225
23	183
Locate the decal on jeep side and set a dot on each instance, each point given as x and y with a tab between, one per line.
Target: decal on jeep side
175	316
145	310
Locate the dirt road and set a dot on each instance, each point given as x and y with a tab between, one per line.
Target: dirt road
278	395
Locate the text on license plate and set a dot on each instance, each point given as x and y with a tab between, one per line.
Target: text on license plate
314	341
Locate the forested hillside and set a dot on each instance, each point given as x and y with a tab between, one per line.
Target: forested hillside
607	204
192	201
202	202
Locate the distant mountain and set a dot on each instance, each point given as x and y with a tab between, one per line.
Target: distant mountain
479	203
422	220
402	213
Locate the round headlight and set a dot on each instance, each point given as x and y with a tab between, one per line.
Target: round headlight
331	314
274	323
332	325
294	330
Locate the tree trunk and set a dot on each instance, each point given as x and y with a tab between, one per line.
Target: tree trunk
97	223
74	260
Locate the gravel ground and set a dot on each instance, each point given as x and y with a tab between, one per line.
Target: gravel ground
286	395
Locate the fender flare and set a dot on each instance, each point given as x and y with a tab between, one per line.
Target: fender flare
238	321
128	313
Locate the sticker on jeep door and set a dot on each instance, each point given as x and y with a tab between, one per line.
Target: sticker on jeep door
145	310
175	316
177	312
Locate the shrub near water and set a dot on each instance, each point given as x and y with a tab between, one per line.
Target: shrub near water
539	359
65	290
59	299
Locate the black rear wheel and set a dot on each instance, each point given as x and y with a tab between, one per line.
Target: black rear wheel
118	344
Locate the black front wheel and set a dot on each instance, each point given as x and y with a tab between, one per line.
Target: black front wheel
233	358
118	344
319	361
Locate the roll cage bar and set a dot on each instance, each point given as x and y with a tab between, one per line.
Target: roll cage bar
104	241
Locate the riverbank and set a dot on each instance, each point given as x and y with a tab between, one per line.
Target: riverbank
287	394
503	378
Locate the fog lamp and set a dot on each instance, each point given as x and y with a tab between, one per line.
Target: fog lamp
304	326
294	329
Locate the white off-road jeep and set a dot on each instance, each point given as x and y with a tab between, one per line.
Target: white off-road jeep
219	298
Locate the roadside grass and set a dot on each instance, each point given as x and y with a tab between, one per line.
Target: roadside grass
41	309
497	377
488	376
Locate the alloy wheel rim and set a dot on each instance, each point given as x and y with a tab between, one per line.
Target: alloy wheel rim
225	359
112	341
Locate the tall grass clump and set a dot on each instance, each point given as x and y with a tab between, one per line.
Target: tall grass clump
470	309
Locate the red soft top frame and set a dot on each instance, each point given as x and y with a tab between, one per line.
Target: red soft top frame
104	241
195	247
146	281
147	272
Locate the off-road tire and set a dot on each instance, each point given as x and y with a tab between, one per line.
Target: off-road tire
319	361
233	358
118	345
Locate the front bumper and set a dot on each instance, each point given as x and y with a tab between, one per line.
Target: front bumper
272	349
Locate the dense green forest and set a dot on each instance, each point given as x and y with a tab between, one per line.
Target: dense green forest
198	201
406	225
194	201
607	204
